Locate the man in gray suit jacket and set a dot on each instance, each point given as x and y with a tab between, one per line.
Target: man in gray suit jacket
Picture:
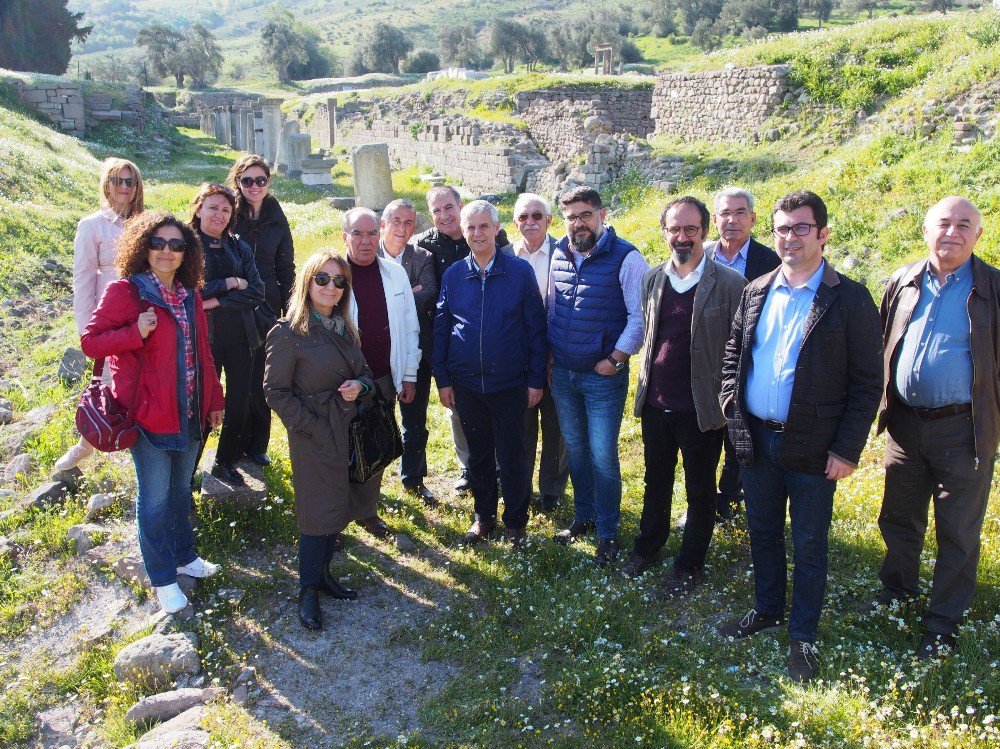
690	302
399	221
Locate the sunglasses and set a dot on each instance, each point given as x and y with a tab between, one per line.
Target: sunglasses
127	181
249	182
534	216
174	245
322	279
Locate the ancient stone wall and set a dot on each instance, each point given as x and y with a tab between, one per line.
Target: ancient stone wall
61	102
727	104
625	111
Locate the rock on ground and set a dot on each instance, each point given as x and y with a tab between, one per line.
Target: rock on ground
251	496
157	660
182	732
167	705
86	536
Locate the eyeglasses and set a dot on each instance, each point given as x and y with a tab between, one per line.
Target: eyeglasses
127	181
799	230
323	279
534	216
249	182
582	217
174	245
689	231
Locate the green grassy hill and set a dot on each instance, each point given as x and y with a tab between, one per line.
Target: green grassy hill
539	649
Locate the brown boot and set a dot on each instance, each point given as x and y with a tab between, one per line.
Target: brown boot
479	530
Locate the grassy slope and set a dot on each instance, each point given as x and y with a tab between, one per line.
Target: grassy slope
620	667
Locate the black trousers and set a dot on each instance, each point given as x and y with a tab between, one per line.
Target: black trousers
413	467
927	460
553	472
237	362
315	552
494	427
729	479
664	434
258	426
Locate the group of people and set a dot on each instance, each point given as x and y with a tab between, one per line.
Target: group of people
769	356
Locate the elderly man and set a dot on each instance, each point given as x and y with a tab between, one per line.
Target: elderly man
399	221
383	308
734	218
595	325
489	363
532	216
800	386
940	405
690	305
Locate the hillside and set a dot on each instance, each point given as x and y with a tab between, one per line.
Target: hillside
451	647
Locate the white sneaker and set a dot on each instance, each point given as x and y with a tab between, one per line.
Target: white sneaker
172	598
198	567
74	455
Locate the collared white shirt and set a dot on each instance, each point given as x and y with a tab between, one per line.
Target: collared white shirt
539	262
680	285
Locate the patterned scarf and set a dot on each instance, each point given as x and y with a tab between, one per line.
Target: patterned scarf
175	303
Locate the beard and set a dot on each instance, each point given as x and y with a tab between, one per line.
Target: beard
682	252
583	241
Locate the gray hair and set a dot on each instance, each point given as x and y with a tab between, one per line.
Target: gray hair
353	214
529	197
397	204
438	189
732	192
478	206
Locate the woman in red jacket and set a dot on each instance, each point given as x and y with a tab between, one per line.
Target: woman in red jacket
151	327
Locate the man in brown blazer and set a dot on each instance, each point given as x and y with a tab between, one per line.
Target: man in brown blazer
690	303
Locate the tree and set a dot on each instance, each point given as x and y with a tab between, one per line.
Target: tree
423	61
822	9
940	5
384	47
573	42
504	41
705	35
534	47
661	16
164	51
460	45
869	6
697	10
36	35
282	43
201	54
115	69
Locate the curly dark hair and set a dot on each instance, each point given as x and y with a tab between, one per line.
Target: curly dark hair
206	191
133	248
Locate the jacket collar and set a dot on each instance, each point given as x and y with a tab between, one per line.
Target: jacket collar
980	281
496	266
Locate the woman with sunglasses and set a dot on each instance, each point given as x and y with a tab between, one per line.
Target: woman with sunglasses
314	375
261	223
232	292
94	250
150	325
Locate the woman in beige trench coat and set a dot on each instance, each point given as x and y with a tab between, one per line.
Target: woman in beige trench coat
314	374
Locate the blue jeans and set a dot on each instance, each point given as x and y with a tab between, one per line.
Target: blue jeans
766	487
163	508
590	408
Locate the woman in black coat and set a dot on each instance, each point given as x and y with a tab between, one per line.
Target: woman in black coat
261	223
232	292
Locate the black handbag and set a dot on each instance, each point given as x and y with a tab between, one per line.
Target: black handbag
264	318
374	439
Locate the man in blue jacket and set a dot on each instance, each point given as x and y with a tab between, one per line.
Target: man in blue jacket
489	362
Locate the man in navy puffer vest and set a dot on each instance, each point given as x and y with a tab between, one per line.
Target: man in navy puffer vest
595	324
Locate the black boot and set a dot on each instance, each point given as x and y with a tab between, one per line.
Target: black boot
333	587
309	611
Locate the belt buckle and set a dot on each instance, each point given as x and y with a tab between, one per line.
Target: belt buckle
774	426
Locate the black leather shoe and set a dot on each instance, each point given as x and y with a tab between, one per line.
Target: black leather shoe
606	552
462	484
309	611
260	459
549	502
336	589
375	525
575	530
422	493
227	473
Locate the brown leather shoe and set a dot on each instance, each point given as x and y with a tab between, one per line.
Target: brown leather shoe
479	530
518	537
637	564
375	525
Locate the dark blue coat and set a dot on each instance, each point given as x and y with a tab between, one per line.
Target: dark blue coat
489	334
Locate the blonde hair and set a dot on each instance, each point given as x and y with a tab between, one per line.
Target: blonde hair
112	167
299	307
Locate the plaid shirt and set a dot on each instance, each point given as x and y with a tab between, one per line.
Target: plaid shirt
175	303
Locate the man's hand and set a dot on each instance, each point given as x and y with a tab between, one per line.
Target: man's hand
418	287
837	468
406	394
215	419
534	395
447	396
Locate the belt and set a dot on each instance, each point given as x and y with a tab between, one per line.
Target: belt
933	414
770	424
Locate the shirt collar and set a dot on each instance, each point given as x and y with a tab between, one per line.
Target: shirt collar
693	275
520	248
812	284
110	215
959	274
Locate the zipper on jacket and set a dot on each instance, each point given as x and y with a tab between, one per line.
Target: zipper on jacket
482	313
972	404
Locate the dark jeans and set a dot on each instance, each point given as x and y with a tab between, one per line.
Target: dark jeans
729	479
494	427
925	460
163	508
413	468
768	488
663	435
257	434
237	361
553	473
315	552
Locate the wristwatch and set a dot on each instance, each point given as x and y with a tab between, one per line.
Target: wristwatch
615	363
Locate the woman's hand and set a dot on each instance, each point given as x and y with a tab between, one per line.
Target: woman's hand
236	283
350	390
215	419
147	322
212	303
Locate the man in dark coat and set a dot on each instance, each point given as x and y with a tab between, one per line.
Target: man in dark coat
801	382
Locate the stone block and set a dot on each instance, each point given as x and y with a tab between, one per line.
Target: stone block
156	660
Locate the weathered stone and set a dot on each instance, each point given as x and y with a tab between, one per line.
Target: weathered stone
97	504
372	175
18	466
251	496
56	725
405	544
182	732
8	550
86	536
342	203
288	129
297	150
157	660
48	494
167	705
